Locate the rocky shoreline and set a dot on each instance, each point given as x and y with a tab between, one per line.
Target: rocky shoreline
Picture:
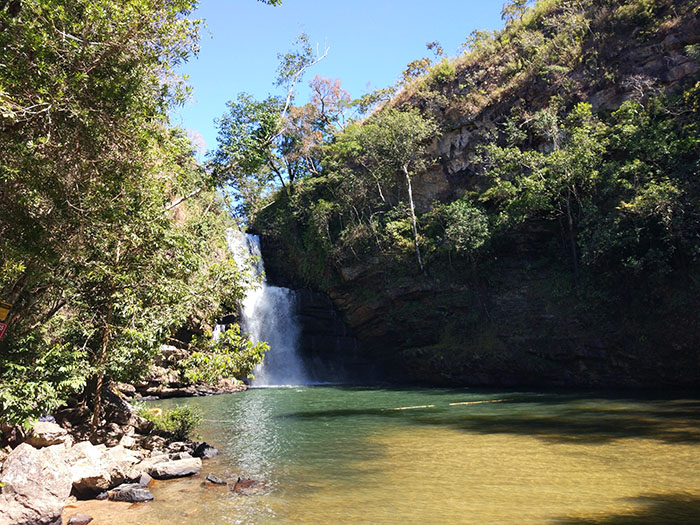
55	464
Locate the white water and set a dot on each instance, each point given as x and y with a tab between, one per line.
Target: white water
268	314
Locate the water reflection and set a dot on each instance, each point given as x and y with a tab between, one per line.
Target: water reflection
347	455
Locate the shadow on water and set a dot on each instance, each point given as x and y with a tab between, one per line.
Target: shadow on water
662	509
557	418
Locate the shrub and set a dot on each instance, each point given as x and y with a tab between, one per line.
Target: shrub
443	72
178	423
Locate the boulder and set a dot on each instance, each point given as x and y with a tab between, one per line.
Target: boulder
36	485
204	450
95	468
45	434
175	469
141	424
179	446
72	417
116	409
131	493
180	455
126	388
80	519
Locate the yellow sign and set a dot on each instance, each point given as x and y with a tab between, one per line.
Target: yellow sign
4	310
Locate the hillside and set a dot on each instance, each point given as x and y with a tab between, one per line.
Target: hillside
556	204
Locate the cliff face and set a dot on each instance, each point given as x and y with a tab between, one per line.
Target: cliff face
628	66
516	317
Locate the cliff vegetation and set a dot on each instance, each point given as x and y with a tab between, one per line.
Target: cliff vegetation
526	213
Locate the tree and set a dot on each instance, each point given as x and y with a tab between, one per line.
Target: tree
514	10
99	264
242	160
264	143
393	142
552	183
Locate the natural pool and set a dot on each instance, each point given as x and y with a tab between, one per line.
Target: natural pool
348	455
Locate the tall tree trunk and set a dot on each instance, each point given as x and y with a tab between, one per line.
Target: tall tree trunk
572	237
101	361
414	222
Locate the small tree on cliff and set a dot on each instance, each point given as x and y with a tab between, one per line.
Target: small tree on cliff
394	142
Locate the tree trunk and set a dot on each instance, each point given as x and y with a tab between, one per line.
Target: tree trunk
572	237
101	361
414	223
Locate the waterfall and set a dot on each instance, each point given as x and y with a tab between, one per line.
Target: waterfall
268	314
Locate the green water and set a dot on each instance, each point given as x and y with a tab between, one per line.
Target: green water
347	455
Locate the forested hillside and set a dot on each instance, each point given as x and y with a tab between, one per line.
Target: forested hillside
527	213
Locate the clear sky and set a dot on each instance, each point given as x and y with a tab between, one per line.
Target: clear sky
370	42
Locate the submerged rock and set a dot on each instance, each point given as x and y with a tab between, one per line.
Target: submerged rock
248	487
36	486
211	478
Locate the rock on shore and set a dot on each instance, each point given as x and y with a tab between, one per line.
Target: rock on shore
37	481
36	485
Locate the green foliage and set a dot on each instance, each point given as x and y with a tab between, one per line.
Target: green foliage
35	380
242	160
371	100
229	356
467	227
179	423
443	72
415	69
101	258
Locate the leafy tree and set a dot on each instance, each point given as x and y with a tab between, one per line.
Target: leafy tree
99	258
555	183
246	150
393	142
467	227
229	356
264	143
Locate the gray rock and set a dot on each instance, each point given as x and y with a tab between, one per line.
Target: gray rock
205	451
145	480
36	485
179	446
80	519
175	469
46	433
131	493
141	424
211	478
180	455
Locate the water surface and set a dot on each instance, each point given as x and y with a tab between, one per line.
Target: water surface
371	455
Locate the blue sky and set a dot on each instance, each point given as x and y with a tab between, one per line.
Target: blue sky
370	42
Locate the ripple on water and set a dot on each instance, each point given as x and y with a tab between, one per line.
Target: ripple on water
345	455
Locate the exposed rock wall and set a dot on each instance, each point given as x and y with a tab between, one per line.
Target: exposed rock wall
659	63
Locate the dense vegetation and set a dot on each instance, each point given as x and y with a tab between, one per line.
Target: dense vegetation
607	186
100	254
579	165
